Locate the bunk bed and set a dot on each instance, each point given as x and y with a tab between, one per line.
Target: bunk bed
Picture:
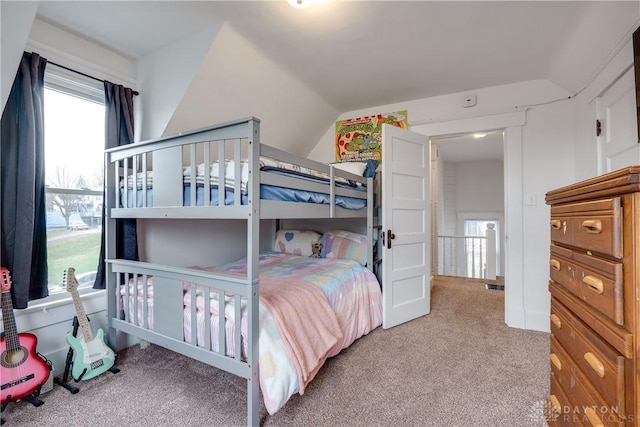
193	175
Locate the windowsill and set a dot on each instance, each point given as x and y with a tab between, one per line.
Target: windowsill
59	299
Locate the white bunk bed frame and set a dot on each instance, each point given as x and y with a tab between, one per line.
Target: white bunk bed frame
165	157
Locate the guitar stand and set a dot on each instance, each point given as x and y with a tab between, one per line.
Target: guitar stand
32	398
64	379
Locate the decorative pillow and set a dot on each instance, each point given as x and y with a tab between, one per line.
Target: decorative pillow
344	245
356	168
297	242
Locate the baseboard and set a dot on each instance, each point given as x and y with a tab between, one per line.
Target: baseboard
58	359
537	321
515	317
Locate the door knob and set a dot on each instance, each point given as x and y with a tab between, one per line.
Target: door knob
390	237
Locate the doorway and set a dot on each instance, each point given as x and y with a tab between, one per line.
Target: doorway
468	186
511	125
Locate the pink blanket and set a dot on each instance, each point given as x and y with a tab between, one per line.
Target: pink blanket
307	324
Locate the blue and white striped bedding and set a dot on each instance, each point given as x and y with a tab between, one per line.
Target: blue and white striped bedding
267	192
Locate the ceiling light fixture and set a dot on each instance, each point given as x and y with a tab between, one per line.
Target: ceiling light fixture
299	3
479	135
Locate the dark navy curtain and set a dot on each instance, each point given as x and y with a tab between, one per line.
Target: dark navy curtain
22	205
118	131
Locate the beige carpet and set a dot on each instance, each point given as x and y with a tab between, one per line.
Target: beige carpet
458	366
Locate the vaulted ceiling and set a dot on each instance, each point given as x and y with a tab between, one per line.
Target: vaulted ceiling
357	54
360	54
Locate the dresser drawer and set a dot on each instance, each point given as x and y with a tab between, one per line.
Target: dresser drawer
598	361
596	281
561	366
594	226
559	407
585	404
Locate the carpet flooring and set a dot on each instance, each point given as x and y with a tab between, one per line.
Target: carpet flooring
458	366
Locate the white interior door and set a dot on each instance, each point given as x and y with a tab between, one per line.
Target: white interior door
619	138
406	226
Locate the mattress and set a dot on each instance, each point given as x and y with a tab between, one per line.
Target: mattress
351	291
144	186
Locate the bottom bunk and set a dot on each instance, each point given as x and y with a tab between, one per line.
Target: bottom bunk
309	309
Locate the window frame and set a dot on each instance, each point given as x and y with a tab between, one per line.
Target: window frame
75	84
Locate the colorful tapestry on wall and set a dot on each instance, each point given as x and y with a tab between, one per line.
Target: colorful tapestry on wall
360	138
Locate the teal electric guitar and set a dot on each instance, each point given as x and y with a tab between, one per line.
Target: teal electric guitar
92	356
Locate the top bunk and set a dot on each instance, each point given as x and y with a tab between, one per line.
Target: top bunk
179	177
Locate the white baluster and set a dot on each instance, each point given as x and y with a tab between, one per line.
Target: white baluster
491	251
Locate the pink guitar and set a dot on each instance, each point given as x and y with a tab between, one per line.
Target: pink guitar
22	371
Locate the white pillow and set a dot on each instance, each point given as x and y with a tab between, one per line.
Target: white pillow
297	242
356	168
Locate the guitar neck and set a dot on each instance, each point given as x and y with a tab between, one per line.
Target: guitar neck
82	317
9	322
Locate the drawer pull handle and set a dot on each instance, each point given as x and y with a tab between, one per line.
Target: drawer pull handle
556	224
556	321
595	363
555	264
556	362
592	226
555	403
594	283
593	417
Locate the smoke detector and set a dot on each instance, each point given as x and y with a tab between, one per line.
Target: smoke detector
469	100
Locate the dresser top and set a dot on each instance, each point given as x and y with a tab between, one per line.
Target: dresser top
623	181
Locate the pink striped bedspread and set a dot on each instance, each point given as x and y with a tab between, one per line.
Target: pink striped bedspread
351	291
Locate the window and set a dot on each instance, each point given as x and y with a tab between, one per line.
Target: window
74	151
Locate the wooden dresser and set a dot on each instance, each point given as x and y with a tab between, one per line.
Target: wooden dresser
595	301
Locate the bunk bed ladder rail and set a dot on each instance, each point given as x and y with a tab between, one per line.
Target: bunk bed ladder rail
253	271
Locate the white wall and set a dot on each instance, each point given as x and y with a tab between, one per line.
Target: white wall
469	187
15	23
163	87
449	199
79	54
200	242
441	109
237	80
548	163
479	186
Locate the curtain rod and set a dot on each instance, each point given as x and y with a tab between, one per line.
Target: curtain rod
135	92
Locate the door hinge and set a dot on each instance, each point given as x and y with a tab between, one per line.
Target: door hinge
598	127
